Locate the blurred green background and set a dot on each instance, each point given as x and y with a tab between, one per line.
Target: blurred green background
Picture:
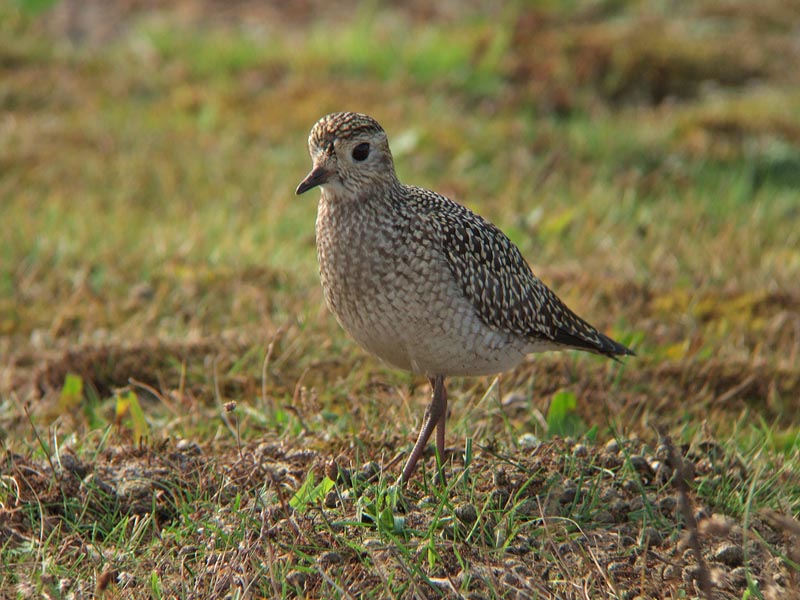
645	156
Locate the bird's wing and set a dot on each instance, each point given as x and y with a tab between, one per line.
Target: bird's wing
501	286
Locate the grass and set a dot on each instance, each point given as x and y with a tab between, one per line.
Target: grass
182	417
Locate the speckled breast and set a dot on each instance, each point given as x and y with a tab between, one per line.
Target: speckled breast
385	280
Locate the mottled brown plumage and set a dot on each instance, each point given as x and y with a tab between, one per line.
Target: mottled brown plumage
421	281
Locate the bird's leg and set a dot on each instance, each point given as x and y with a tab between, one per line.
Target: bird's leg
440	426
434	414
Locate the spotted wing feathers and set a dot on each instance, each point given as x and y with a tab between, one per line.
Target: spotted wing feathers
495	277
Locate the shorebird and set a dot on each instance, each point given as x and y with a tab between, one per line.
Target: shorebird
421	281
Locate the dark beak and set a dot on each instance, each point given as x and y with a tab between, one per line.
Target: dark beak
318	176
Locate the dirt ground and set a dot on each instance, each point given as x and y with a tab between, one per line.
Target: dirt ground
278	493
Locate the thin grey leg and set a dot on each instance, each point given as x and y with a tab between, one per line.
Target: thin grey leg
440	426
434	413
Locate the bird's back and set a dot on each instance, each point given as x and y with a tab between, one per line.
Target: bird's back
499	283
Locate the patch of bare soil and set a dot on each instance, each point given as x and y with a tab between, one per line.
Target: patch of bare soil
557	520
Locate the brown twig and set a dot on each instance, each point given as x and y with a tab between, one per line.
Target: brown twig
685	507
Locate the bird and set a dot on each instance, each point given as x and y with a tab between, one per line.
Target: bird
421	281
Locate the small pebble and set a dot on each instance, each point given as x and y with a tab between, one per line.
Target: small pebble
344	475
738	577
500	498
626	541
189	447
331	499
370	471
632	487
332	470
729	554
521	569
636	504
619	506
500	478
466	513
529	508
610	460
641	465
565	548
72	465
568	495
296	579
609	494
652	536
604	516
330	558
528	441
511	580
518	549
667	505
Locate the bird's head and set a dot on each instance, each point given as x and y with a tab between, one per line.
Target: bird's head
350	153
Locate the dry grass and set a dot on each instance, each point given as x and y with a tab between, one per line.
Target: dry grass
157	278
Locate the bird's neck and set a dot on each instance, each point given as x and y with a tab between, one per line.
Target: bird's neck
373	197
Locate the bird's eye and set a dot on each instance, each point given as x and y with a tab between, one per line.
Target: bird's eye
361	152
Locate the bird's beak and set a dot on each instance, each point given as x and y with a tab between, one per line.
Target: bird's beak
317	176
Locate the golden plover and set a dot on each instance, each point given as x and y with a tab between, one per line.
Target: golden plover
421	281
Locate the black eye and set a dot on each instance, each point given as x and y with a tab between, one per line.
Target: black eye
361	152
